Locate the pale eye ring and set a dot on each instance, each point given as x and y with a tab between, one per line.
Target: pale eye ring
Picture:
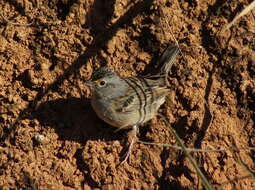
102	83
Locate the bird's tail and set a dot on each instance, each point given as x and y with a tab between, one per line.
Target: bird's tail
164	65
167	59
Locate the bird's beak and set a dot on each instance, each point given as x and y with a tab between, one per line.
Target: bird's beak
89	83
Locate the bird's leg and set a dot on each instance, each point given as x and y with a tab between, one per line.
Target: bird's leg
133	135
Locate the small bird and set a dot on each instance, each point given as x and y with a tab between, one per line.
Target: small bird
131	101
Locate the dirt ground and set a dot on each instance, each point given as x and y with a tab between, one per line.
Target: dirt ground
51	137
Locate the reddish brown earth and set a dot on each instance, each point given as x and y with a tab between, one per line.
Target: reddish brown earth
52	139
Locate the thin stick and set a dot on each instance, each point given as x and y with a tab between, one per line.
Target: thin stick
196	149
242	13
205	182
14	23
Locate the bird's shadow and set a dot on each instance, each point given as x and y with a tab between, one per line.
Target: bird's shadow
74	119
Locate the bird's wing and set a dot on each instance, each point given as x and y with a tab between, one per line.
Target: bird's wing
139	99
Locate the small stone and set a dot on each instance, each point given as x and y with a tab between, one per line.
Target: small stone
40	139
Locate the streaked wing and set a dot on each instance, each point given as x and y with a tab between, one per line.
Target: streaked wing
142	93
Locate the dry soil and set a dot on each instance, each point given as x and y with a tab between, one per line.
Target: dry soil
52	139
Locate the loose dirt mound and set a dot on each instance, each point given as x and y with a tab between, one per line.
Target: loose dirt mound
52	139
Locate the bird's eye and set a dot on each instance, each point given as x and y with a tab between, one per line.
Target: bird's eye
102	83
